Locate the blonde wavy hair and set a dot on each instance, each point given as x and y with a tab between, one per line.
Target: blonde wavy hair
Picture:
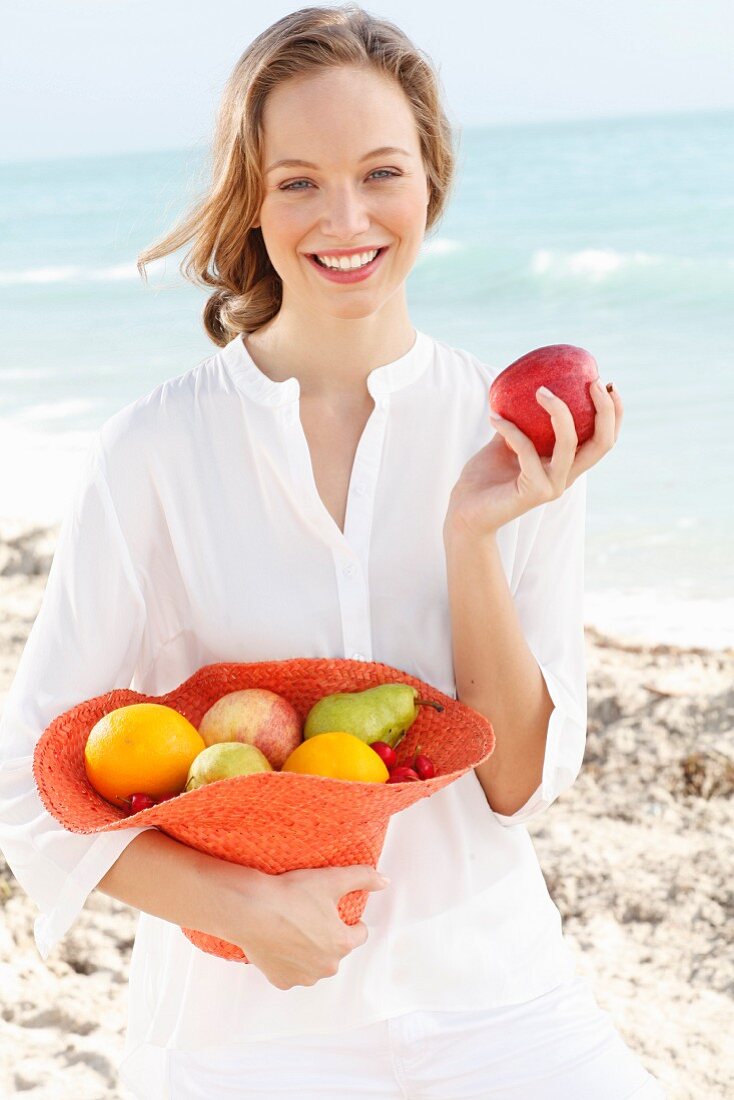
228	252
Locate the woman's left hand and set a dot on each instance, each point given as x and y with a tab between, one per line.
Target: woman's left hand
508	477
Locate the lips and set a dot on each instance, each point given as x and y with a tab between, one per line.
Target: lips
357	275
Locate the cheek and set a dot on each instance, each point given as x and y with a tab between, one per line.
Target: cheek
410	207
280	221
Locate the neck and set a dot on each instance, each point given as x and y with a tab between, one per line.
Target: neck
330	356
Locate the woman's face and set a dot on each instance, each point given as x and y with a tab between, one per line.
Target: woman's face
347	199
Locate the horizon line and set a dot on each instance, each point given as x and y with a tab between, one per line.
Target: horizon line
457	126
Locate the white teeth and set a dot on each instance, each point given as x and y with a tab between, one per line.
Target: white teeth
347	263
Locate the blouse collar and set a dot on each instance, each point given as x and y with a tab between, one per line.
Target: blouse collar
381	380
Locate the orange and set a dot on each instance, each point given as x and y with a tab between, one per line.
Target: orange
338	755
145	747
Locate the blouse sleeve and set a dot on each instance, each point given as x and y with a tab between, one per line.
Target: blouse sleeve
84	642
549	598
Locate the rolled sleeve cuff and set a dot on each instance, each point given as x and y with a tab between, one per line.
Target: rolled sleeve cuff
50	926
564	752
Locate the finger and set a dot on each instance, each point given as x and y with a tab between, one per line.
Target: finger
523	447
605	416
359	877
566	442
358	934
618	410
606	429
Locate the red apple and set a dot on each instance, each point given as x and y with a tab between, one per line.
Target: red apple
567	371
254	716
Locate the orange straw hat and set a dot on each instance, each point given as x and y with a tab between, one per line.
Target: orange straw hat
273	821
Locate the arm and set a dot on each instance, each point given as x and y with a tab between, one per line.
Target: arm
494	669
160	876
85	641
519	654
287	924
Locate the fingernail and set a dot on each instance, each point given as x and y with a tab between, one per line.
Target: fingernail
384	880
545	392
495	419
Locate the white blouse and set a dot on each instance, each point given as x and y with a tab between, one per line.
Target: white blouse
196	534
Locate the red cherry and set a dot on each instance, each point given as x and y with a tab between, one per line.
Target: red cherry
140	802
424	766
386	753
402	774
165	797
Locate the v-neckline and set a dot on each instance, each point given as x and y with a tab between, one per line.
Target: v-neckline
323	489
362	479
382	382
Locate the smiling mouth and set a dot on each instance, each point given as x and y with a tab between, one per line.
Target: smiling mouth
348	275
315	256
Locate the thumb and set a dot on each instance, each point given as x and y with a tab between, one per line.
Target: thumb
359	877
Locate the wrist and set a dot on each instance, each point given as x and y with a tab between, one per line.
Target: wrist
236	899
459	527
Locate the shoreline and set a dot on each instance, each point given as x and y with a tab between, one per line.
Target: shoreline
636	855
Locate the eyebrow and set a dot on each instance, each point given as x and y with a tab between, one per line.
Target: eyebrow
291	163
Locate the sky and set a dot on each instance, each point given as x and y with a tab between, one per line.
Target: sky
91	77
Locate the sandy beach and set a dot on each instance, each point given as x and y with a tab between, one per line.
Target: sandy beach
638	856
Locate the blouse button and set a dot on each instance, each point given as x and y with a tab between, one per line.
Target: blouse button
360	488
349	569
358	657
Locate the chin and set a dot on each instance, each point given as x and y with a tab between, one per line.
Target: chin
352	311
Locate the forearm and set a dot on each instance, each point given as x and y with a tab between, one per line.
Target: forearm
170	880
496	673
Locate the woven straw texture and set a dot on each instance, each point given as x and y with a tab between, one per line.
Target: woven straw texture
272	821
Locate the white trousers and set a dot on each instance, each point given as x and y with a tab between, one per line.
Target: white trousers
561	1046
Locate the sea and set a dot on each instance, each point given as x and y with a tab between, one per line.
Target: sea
614	234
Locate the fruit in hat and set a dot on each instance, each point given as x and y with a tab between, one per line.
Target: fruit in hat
339	755
567	371
144	747
403	773
382	713
386	753
224	760
254	716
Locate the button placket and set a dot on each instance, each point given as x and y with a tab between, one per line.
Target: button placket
354	596
350	550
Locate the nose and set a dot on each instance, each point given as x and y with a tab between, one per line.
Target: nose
346	214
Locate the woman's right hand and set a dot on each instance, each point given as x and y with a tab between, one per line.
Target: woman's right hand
288	925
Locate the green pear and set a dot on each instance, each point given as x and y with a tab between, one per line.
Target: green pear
223	760
382	713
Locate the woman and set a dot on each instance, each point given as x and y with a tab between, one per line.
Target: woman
327	484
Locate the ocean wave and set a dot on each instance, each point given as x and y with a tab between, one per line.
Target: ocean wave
441	246
27	374
94	371
46	466
598	264
652	615
73	273
55	410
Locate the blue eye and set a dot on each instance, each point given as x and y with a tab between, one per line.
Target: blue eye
292	186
